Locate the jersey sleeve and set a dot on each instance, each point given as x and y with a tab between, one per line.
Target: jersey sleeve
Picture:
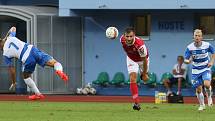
187	54
211	49
142	51
12	34
8	61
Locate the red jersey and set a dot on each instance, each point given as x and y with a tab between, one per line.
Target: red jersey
135	51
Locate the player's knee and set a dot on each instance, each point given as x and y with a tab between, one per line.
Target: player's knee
26	75
199	89
207	84
133	77
51	62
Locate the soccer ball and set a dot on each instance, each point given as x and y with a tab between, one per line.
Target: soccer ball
79	91
88	85
85	91
112	32
92	91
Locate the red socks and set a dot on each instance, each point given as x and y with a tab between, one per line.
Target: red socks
134	92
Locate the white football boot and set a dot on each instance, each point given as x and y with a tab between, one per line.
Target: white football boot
202	107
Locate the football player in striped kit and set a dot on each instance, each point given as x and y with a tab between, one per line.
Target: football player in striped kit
198	53
30	56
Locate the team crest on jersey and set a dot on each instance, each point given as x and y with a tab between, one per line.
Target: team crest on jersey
141	50
203	51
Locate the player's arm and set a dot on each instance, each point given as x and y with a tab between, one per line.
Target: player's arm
188	58
11	32
12	73
145	65
212	60
11	69
211	50
143	54
188	61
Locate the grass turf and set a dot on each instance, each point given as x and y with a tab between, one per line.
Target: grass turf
65	111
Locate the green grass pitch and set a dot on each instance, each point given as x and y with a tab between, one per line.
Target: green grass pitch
74	111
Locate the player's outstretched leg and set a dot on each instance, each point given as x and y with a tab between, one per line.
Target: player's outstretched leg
59	71
62	75
31	84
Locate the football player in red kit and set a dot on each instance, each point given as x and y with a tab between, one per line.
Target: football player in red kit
137	61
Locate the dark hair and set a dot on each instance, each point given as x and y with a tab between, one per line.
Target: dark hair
180	57
129	29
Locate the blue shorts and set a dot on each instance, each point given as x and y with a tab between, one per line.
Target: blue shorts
35	57
198	79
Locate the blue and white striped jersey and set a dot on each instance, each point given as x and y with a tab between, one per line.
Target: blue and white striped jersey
200	56
15	48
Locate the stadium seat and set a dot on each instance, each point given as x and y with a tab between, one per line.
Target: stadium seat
102	79
152	78
118	79
127	81
166	75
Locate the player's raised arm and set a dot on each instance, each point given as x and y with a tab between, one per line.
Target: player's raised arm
11	32
212	51
212	60
188	57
